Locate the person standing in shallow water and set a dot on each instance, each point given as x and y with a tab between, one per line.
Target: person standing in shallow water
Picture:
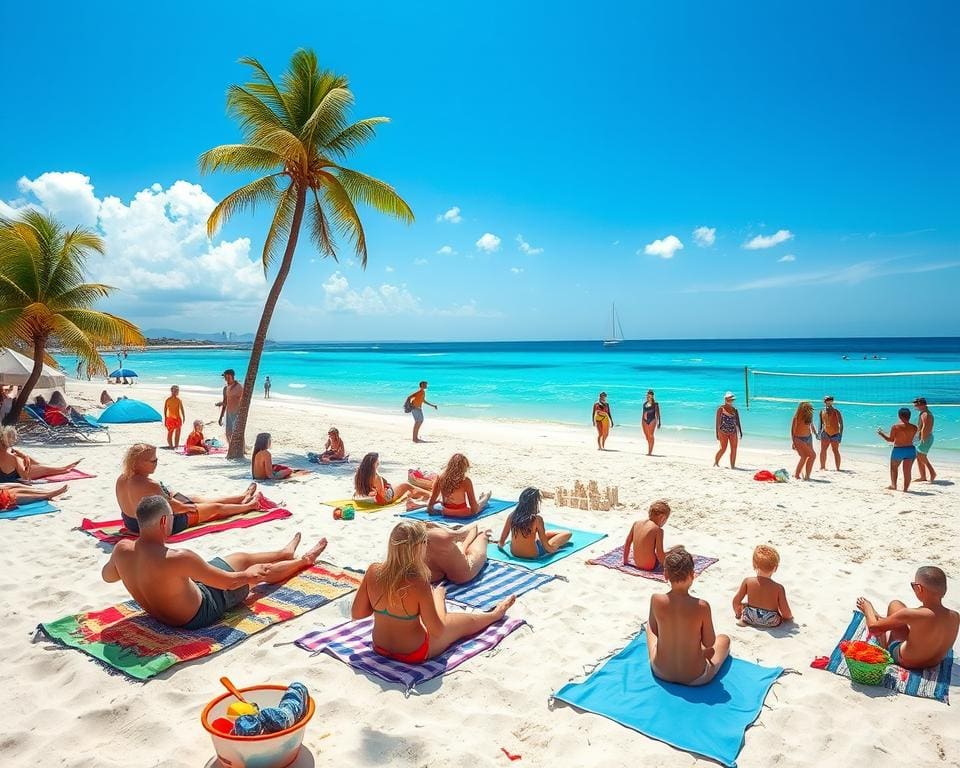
266	389
603	420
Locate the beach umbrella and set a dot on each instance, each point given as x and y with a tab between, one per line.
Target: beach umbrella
15	369
123	373
127	411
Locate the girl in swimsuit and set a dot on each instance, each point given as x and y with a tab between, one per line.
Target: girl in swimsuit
16	466
728	430
801	434
334	450
603	419
410	619
651	420
456	490
529	538
368	485
261	463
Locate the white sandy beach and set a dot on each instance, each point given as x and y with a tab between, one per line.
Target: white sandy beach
838	538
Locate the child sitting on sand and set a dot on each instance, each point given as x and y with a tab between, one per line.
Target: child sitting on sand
683	646
195	444
261	463
334	450
528	537
645	539
919	637
456	491
766	604
368	485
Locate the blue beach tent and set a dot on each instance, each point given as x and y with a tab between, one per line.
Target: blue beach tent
127	411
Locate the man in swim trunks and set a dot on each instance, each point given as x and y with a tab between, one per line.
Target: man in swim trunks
416	402
176	586
920	637
455	555
925	436
135	483
230	405
904	452
173	417
831	432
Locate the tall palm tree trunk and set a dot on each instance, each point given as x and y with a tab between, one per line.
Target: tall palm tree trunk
236	449
39	346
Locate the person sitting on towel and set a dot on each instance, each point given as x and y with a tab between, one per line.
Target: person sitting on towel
456	556
16	466
684	647
456	491
334	450
195	444
135	483
529	538
179	588
410	619
766	604
645	539
261	463
369	484
919	637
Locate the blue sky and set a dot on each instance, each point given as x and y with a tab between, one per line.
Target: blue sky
583	143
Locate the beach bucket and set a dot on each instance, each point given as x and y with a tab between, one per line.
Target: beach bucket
271	750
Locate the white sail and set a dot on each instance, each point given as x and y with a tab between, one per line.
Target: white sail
616	330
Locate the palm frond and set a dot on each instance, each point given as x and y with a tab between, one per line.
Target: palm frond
354	136
264	87
248	196
285	144
251	112
280	225
329	117
240	157
375	193
102	327
345	216
84	295
320	231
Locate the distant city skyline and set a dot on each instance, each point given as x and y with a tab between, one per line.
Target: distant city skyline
745	172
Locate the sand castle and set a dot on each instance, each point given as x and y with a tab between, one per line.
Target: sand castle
588	496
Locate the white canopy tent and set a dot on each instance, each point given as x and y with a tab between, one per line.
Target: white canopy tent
15	369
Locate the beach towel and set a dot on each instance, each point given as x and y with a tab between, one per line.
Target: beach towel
351	643
111	531
708	720
614	560
364	506
216	450
494	507
314	458
124	638
28	509
578	541
63	477
494	583
932	683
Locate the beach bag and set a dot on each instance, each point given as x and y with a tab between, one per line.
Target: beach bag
407	406
765	476
781	475
8	499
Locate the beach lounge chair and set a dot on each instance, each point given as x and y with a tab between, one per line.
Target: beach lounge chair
59	433
86	425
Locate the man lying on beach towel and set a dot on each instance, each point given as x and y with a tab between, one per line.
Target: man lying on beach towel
176	586
456	556
135	484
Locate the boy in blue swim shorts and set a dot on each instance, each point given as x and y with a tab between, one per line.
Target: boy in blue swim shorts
904	452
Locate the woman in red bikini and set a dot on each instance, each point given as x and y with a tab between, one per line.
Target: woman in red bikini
455	490
369	485
410	619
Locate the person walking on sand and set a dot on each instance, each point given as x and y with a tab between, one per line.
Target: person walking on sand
602	418
414	406
904	451
173	417
651	420
801	435
925	436
230	404
266	389
831	432
728	429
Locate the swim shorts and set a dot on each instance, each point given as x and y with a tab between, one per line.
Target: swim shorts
924	446
417	415
181	521
894	650
760	617
830	438
903	452
230	423
171	423
216	602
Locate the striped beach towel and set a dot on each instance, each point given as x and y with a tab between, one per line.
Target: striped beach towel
351	643
494	583
124	638
614	560
931	683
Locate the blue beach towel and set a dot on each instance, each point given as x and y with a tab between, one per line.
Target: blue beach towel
578	541
708	720
494	507
494	583
27	510
931	683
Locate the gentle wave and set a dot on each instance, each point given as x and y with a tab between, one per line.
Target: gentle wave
297	386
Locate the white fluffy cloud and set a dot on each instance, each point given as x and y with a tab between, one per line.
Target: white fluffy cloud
446	250
489	242
788	258
420	262
385	300
768	241
158	254
705	236
452	215
516	270
665	248
528	249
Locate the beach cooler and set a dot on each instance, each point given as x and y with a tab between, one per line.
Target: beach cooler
271	750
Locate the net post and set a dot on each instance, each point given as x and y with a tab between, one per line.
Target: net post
746	386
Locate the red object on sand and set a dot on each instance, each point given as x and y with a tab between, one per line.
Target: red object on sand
820	662
511	757
766	476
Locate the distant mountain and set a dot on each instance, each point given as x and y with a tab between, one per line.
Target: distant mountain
224	337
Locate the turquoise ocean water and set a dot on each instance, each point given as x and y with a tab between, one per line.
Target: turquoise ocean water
559	381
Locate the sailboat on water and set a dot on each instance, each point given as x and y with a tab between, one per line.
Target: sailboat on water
616	330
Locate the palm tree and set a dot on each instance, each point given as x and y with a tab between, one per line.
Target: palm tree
44	301
297	131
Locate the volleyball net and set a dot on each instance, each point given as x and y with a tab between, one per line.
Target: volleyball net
940	388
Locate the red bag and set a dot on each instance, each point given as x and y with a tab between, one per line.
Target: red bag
766	476
8	499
